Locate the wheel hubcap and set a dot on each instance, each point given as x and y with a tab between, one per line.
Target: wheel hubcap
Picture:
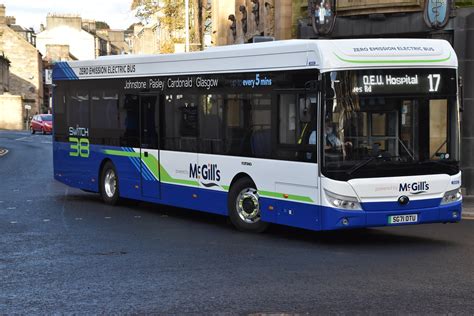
110	183
248	206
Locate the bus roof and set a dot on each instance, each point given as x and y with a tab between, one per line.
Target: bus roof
325	55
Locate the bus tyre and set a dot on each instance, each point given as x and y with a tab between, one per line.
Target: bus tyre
244	207
109	189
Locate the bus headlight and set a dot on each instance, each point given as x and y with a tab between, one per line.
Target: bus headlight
349	203
451	197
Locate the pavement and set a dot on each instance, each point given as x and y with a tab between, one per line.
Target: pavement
468	206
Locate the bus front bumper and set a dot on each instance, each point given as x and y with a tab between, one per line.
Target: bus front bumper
333	218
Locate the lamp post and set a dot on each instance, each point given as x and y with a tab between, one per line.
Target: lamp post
186	4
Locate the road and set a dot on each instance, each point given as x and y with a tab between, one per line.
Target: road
63	251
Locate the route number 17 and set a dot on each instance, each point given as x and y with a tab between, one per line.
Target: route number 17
435	80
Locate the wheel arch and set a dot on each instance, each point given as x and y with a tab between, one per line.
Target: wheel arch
239	176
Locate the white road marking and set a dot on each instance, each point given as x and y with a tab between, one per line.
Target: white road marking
108	217
16	190
46	142
46	220
3	152
1	202
78	219
14	222
11	208
138	217
22	138
29	201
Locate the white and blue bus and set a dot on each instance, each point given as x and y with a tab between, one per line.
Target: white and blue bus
315	134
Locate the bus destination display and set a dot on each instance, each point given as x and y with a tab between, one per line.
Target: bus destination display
383	82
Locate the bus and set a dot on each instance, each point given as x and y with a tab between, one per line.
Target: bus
314	134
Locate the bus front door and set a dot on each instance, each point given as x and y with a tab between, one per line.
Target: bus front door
149	144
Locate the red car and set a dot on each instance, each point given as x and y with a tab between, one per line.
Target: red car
42	123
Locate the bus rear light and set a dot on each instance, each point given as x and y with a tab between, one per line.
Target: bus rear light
195	196
343	202
286	196
271	208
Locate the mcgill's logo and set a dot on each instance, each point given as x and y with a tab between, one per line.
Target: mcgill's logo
209	172
415	187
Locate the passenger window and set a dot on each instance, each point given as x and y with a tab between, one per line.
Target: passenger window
181	123
78	108
297	127
129	121
210	122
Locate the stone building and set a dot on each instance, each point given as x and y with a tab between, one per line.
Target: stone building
117	40
245	21
4	74
146	39
25	75
153	38
81	36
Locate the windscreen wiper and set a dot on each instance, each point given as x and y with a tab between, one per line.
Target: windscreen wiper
366	162
363	164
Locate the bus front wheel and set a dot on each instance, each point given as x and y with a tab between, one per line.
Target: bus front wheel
244	207
109	189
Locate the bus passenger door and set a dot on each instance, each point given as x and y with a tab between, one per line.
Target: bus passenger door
149	144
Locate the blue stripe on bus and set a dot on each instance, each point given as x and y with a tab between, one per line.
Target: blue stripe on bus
62	71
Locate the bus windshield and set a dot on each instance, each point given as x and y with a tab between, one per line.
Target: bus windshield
382	123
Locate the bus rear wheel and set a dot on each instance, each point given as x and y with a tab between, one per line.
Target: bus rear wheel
244	207
109	189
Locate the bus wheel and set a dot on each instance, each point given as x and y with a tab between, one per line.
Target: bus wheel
109	189
244	207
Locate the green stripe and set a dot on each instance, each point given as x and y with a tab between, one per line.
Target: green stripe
292	197
152	163
121	153
393	61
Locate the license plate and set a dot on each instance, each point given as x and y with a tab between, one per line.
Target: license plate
403	219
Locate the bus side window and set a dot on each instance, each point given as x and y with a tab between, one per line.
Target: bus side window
210	124
181	123
297	127
105	116
78	108
287	119
129	120
59	108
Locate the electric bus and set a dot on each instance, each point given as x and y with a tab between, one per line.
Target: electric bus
315	134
